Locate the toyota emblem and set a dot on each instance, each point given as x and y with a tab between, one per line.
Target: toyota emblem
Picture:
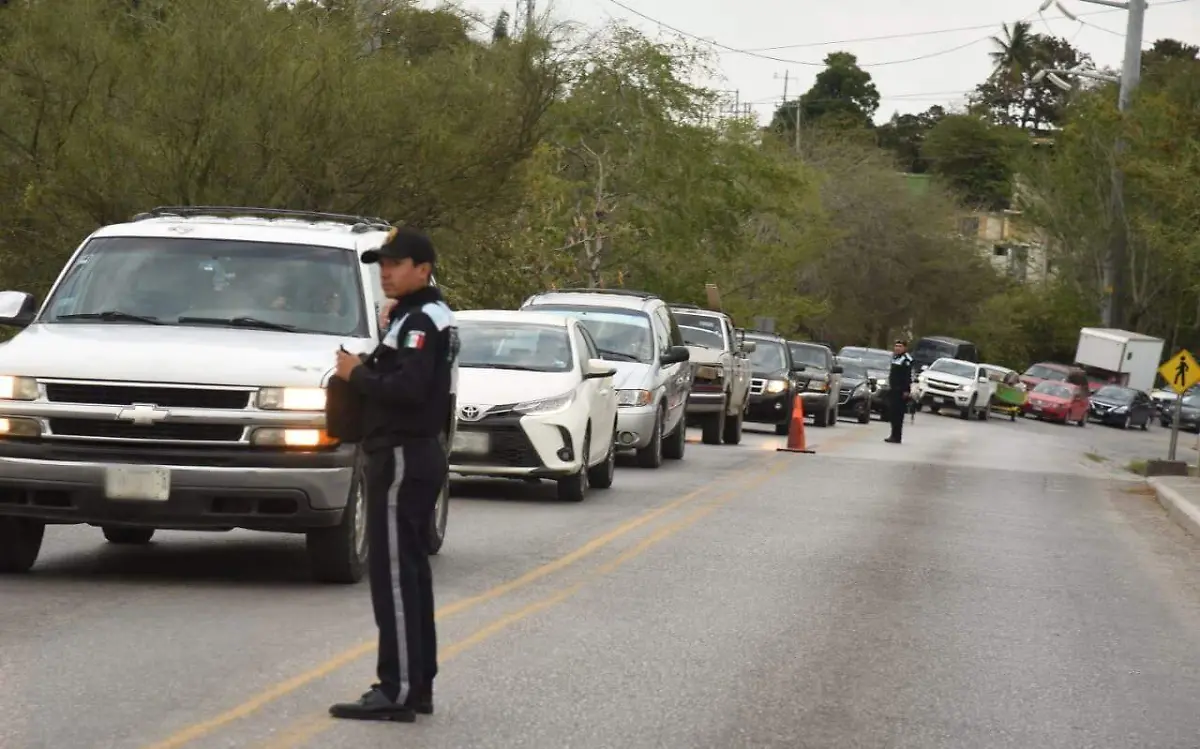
470	413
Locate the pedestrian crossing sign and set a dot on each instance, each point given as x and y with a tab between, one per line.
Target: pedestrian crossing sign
1180	371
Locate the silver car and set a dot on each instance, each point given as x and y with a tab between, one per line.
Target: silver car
638	334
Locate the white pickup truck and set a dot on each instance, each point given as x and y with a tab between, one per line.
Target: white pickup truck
958	384
721	373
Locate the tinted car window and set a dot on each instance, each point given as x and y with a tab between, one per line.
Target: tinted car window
768	356
809	356
1115	393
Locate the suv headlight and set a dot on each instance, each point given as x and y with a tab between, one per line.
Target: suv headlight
291	399
818	386
632	398
776	386
546	405
18	388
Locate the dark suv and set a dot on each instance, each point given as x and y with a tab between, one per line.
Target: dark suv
821	381
773	382
931	348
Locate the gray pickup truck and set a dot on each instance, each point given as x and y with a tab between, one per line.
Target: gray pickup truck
174	378
721	373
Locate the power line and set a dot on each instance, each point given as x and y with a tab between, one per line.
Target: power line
808	63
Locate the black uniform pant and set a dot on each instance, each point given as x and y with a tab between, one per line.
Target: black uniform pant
403	484
897	410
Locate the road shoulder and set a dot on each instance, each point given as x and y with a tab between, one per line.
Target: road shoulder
1180	496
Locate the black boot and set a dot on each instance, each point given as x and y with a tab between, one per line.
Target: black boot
374	705
420	699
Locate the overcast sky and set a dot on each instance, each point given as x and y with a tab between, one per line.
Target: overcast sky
802	32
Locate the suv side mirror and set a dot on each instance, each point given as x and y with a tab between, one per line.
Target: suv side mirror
675	355
749	347
17	308
597	369
837	369
983	378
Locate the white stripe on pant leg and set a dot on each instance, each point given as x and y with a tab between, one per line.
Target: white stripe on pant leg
393	530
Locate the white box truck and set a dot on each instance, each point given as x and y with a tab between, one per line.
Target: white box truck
1125	358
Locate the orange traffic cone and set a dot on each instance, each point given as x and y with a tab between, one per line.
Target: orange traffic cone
795	441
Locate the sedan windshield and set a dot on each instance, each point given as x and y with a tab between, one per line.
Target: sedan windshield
955	368
704	338
507	345
212	282
768	356
1115	393
1043	372
1055	390
620	335
809	356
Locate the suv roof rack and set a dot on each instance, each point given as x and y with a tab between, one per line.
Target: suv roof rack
755	331
359	223
615	292
685	305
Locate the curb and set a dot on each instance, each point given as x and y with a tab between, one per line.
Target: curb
1182	510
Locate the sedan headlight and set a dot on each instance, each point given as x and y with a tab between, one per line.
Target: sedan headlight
546	405
18	388
776	386
1120	409
292	399
634	398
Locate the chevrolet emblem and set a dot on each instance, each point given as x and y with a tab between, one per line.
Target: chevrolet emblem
143	414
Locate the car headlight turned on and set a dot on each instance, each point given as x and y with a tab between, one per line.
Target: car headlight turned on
18	388
817	386
546	405
776	386
634	398
291	399
295	438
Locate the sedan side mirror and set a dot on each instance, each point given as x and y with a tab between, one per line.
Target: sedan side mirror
597	369
17	308
837	369
675	355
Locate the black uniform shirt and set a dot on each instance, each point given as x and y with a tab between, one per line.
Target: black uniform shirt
409	380
900	374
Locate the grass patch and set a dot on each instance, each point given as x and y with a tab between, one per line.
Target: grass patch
1095	457
1137	466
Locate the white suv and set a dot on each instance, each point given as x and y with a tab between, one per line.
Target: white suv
958	384
174	379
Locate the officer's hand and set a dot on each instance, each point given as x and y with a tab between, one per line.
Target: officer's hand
346	362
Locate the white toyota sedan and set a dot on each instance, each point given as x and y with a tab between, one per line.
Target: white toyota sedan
535	401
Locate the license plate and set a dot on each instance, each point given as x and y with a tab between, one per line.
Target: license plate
142	483
1037	407
475	443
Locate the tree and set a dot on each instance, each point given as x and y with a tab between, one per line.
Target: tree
1009	96
843	96
904	135
975	157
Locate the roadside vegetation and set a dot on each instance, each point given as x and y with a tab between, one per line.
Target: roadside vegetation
576	156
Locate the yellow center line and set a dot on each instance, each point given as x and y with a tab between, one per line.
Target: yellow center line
198	730
310	727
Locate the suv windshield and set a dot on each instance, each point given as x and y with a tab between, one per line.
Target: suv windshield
705	338
809	356
504	345
931	349
955	368
1043	372
620	335
768	356
1115	393
223	282
872	358
853	370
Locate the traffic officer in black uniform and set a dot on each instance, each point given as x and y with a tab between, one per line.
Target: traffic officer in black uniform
899	389
406	386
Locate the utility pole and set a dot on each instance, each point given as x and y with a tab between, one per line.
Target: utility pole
784	107
525	11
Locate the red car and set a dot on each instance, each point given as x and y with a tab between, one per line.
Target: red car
1045	371
1058	401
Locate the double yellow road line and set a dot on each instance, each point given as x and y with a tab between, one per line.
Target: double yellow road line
761	470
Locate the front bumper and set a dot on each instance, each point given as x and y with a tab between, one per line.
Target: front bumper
1107	416
814	401
770	408
209	488
959	400
704	402
518	446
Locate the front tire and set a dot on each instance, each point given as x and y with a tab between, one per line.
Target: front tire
128	536
574	488
732	434
20	544
676	442
339	554
601	475
651	456
714	425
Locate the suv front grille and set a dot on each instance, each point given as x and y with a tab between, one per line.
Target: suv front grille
757	385
127	395
92	428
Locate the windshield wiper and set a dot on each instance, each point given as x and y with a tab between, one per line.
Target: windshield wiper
111	315
239	322
605	353
516	367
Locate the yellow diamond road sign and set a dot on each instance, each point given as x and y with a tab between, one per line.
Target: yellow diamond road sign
1180	371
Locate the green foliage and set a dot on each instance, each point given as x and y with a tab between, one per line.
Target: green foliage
975	157
842	97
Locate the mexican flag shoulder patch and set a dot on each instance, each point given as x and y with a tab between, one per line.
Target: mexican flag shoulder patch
414	339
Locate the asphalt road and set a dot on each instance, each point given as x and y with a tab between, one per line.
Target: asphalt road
982	585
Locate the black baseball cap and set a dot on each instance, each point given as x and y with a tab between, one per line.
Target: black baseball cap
403	242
